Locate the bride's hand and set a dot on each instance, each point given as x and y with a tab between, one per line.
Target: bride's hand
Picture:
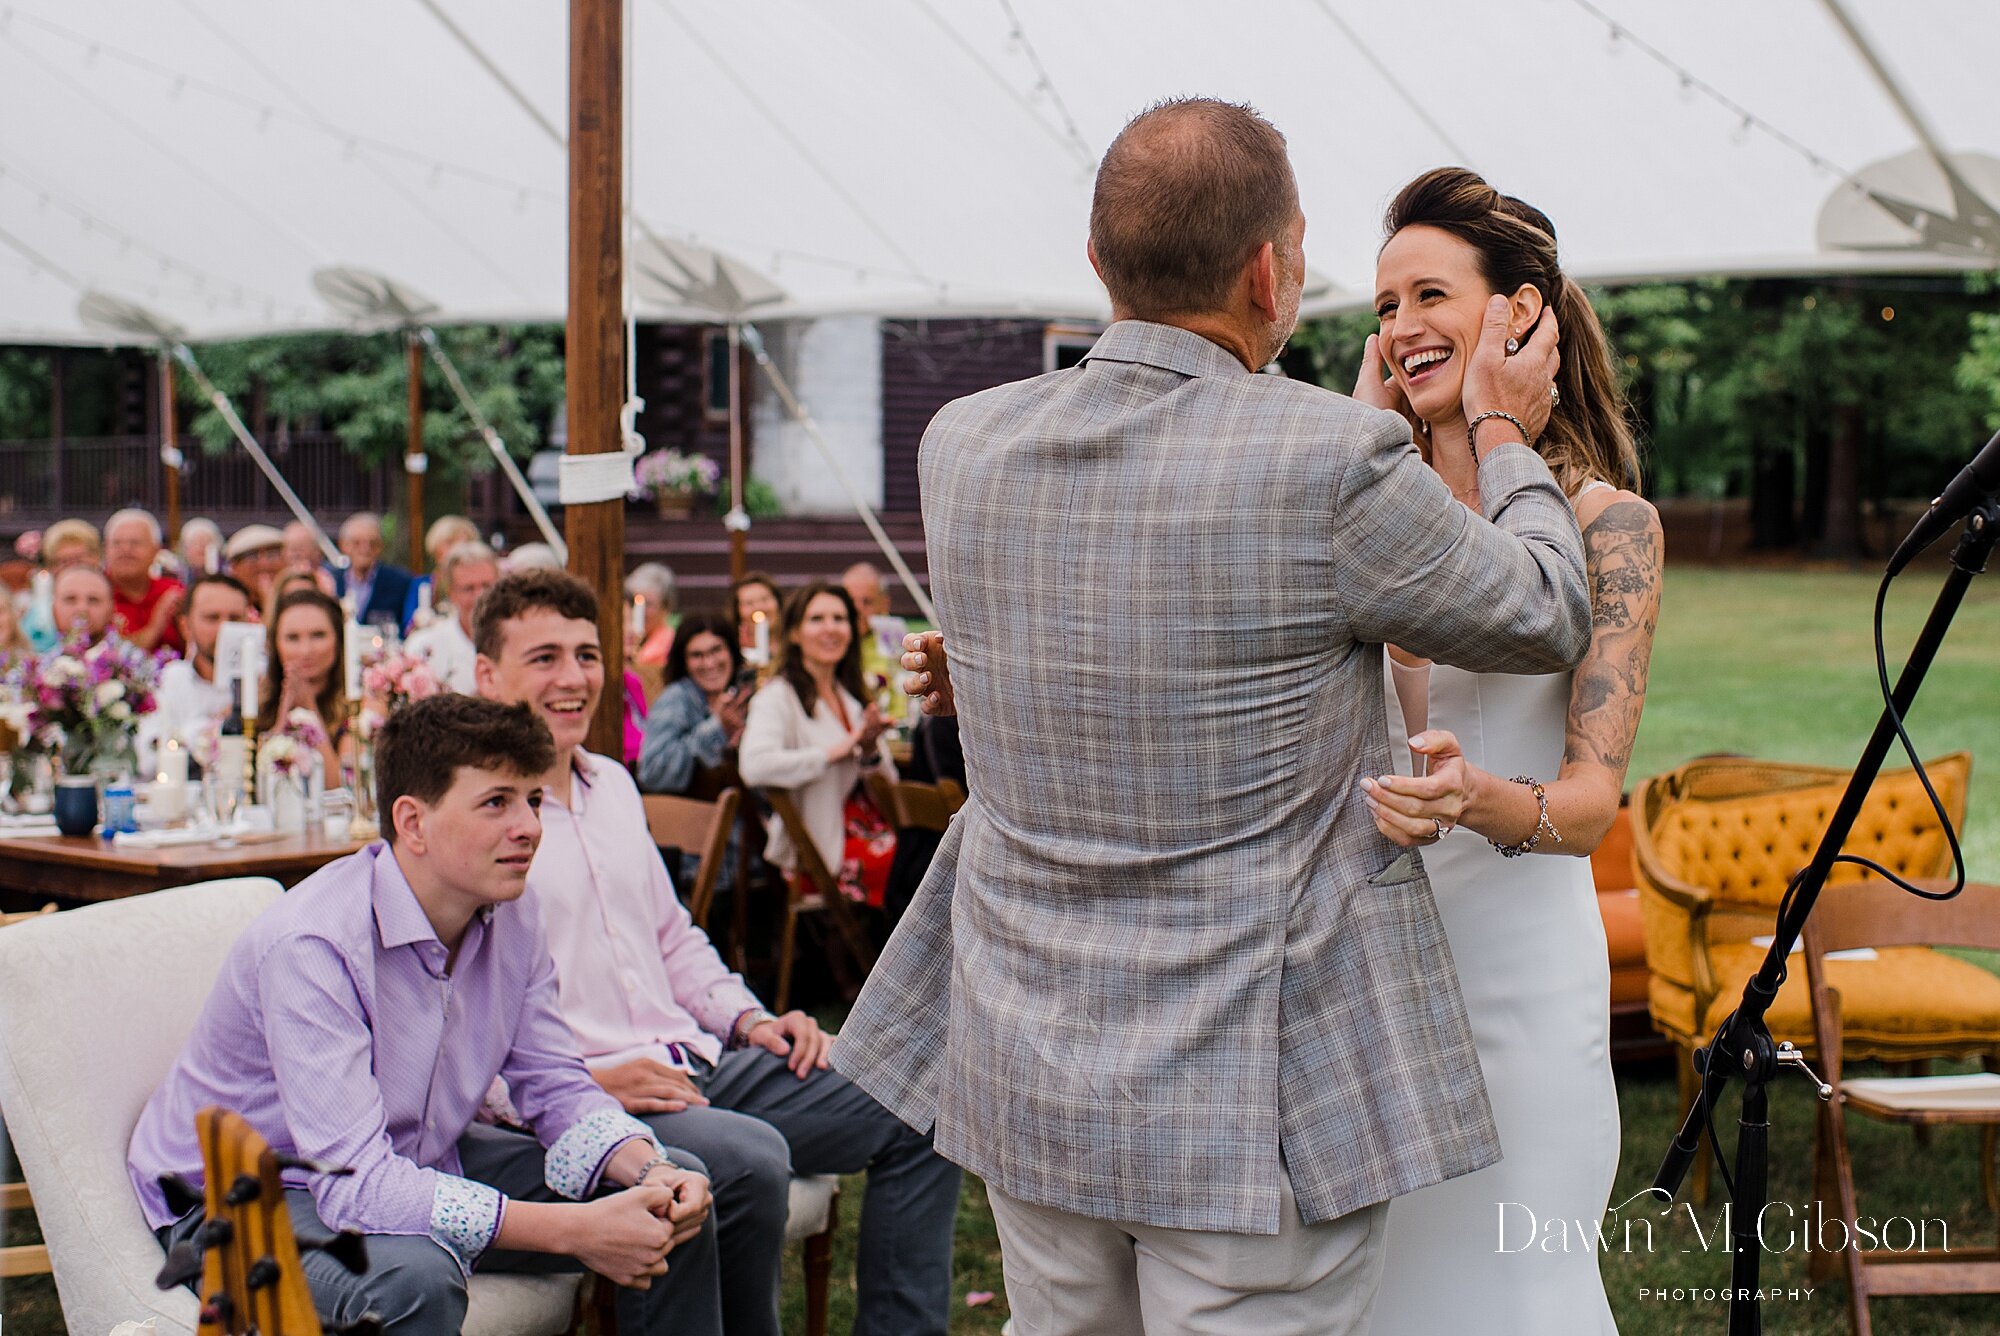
1415	811
929	678
1372	386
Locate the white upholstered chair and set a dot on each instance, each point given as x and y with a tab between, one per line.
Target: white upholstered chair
95	1004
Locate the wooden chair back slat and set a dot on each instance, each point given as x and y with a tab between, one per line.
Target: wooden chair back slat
698	828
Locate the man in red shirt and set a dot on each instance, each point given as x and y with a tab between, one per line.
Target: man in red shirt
145	605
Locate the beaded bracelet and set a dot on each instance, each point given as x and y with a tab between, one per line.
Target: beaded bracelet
657	1162
1472	428
1542	823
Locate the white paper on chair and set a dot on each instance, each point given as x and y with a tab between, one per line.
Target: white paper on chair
1858	953
146	1328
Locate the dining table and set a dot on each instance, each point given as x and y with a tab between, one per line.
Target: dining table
90	868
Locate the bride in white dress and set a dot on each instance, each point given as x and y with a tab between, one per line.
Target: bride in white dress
1500	766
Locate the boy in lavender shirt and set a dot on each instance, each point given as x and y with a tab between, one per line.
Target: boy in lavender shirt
360	1020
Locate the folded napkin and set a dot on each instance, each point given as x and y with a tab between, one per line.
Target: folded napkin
20	828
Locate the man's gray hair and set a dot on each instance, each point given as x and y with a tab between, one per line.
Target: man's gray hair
466	553
203	526
361	519
654	580
1187	192
131	513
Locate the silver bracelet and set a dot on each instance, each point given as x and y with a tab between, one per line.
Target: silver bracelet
658	1161
1542	823
1472	429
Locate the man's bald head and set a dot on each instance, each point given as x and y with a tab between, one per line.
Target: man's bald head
1185	195
863	584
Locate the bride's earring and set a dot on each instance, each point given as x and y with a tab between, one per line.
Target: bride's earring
1513	346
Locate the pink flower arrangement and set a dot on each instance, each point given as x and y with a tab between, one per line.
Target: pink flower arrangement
84	701
392	683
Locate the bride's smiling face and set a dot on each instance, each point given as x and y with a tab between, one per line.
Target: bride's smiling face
1431	299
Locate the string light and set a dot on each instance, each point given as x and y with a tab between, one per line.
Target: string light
1618	36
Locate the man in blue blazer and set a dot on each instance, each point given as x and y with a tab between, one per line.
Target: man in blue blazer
373	590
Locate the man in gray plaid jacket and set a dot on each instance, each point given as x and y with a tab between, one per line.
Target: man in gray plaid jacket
1165	988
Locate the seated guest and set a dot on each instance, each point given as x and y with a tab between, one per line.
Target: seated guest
325	1031
755	593
935	754
190	696
81	602
668	1029
144	605
881	637
288	582
372	588
64	544
302	556
698	717
200	548
531	557
809	732
256	556
423	604
305	661
468	571
652	583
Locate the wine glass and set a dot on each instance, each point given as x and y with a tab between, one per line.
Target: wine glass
223	797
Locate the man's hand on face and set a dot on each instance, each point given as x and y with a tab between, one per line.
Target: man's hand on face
645	1085
1518	385
797	1038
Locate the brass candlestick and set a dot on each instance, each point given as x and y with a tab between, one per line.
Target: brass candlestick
362	827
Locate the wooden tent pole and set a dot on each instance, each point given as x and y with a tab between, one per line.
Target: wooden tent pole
170	451
739	540
594	348
415	462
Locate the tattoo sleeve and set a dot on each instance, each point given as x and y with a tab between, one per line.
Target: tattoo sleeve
1622	549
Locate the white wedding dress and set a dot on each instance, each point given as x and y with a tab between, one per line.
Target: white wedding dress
1512	1249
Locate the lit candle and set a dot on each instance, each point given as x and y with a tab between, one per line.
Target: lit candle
210	560
170	784
424	599
353	664
763	635
253	670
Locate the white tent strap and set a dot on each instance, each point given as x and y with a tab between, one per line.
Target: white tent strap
494	444
220	402
861	507
589	479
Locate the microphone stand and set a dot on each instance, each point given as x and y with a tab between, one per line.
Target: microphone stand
1742	1046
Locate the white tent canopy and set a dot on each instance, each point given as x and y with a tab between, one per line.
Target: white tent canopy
205	158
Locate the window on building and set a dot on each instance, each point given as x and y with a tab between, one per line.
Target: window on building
1065	345
715	363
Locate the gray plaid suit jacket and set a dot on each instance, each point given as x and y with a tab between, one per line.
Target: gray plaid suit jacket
1164	955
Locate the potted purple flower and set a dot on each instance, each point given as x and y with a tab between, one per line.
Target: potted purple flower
675	480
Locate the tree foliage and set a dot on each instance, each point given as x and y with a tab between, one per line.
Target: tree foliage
356	385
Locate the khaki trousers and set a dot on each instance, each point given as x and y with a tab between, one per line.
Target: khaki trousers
1068	1275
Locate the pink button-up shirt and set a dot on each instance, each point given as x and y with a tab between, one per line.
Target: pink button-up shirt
635	973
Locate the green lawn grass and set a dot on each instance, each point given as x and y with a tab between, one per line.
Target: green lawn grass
1772	664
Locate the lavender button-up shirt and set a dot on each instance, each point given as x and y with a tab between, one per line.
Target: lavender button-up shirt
639	979
336	1031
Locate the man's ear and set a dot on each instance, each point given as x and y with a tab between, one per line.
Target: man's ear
406	817
1263	274
485	676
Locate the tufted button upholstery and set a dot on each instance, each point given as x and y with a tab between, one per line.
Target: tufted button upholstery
1714	845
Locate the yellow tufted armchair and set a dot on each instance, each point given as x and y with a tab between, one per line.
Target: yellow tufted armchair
1714	844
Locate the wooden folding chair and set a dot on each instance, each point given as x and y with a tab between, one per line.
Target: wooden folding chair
1850	916
908	805
698	828
824	897
21	1259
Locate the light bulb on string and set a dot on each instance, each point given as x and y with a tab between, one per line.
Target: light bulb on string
1741	133
1613	40
1687	87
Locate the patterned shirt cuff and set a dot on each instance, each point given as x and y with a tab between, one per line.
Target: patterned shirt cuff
465	1218
573	1164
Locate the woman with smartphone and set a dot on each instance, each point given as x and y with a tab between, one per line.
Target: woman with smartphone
698	717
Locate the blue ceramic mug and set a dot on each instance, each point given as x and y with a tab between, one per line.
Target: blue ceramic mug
76	804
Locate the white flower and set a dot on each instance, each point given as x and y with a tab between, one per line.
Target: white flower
107	692
119	709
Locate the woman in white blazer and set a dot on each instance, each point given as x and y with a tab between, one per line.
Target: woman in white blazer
809	730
